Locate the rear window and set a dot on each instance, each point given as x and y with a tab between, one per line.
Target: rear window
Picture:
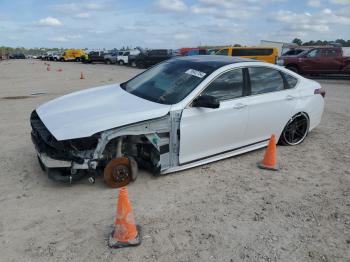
291	81
252	52
265	80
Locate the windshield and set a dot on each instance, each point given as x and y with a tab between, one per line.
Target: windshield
169	82
303	53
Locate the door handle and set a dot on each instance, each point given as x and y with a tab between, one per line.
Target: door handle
239	106
289	97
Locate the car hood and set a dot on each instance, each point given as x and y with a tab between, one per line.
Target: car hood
87	112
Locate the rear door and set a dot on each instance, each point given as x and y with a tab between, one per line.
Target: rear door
332	60
272	102
151	58
205	132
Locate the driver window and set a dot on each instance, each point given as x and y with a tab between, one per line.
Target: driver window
314	53
227	86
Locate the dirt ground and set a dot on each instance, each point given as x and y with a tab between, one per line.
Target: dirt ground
225	211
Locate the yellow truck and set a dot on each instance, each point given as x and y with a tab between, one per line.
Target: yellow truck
266	54
72	55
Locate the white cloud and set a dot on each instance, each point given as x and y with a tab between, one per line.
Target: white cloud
340	2
49	21
60	39
320	22
181	36
221	13
74	36
77	9
67	38
70	8
95	6
171	5
83	15
314	3
229	9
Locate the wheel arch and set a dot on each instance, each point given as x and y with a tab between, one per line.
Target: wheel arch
293	65
303	112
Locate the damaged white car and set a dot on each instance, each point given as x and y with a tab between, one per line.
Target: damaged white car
179	114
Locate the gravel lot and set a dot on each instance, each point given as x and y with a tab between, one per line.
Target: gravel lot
226	211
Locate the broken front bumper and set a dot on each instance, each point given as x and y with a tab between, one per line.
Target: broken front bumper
49	162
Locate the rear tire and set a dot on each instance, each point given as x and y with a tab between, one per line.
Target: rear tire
296	130
141	65
108	62
121	62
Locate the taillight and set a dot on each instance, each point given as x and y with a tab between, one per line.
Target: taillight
320	91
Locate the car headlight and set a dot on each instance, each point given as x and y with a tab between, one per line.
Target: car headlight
280	62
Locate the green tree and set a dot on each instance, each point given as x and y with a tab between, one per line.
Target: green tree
297	41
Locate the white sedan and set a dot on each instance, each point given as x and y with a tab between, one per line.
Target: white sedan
182	113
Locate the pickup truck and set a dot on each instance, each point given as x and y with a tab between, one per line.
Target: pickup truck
152	57
133	55
123	58
110	58
318	60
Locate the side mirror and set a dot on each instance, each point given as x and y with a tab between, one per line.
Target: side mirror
206	101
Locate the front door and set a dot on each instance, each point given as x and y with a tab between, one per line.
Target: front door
312	62
205	132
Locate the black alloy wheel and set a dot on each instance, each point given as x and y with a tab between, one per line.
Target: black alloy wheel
296	130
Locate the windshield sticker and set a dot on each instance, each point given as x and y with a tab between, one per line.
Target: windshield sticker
195	73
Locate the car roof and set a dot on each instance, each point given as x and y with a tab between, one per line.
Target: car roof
216	61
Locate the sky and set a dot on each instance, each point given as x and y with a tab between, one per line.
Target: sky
169	23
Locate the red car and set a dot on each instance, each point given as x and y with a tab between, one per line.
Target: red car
318	60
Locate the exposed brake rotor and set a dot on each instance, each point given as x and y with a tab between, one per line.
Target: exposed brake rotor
119	172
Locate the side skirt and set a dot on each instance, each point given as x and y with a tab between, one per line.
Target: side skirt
217	157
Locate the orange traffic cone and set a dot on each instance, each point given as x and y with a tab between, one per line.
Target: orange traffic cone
48	68
81	75
270	160
59	70
125	233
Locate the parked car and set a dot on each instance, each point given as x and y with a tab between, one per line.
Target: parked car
45	56
17	56
72	55
182	113
152	57
265	54
123	58
319	60
94	57
212	51
197	51
111	58
54	56
51	56
133	54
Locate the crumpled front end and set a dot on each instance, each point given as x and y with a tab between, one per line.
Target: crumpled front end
68	155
